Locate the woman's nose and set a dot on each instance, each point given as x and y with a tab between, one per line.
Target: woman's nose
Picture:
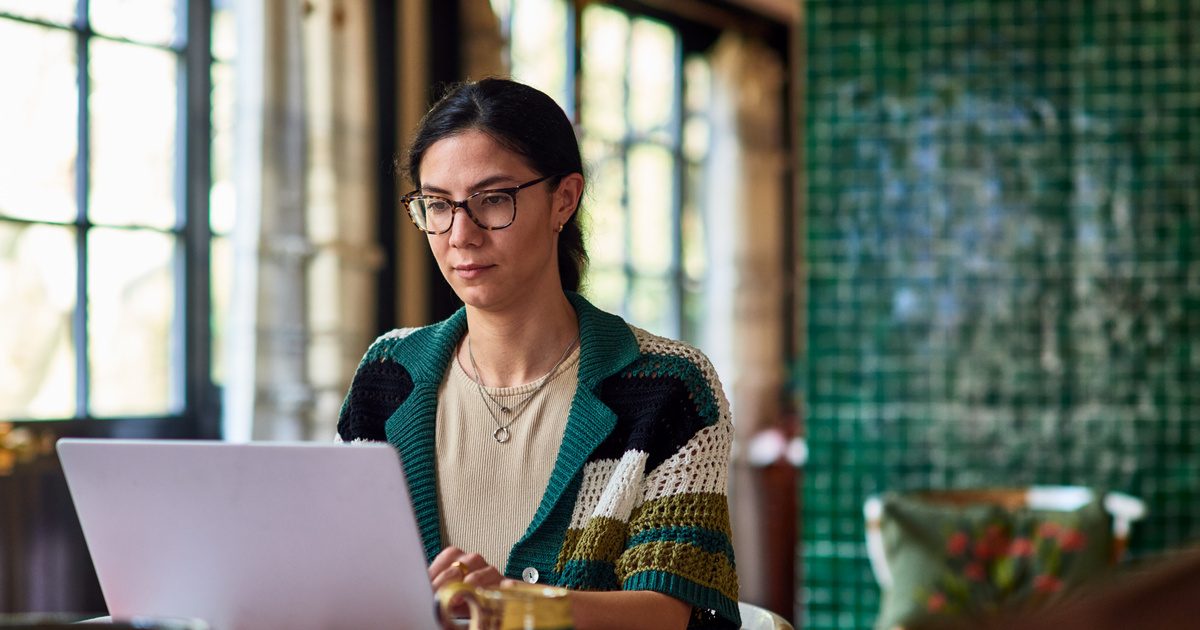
463	231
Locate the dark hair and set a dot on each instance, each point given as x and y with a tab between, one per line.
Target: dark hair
523	120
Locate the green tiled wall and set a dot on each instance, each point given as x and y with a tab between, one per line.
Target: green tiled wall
1004	257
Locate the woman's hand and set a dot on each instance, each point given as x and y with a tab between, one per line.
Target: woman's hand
474	569
455	565
591	610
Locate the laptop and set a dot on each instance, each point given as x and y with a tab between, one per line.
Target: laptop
257	535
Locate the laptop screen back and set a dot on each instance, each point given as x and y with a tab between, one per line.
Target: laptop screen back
259	535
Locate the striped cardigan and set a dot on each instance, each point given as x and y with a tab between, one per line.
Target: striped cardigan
636	499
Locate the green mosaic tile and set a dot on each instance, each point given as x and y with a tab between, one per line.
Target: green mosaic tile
1004	262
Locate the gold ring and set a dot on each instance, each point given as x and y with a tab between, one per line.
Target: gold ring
462	568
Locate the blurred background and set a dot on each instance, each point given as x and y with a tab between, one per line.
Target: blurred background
927	244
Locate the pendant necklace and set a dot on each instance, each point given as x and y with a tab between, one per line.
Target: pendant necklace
502	434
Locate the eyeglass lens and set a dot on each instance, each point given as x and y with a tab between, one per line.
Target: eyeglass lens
489	209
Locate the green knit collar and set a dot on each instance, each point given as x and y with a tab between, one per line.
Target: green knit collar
606	346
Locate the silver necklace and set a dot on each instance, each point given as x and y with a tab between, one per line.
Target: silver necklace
502	434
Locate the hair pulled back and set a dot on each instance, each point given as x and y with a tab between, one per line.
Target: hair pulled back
523	120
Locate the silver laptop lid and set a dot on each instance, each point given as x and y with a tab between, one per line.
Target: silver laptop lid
258	535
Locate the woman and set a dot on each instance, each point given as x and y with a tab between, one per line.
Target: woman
543	439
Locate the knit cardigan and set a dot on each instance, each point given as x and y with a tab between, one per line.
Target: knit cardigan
637	496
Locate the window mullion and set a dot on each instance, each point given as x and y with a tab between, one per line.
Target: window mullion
194	174
79	327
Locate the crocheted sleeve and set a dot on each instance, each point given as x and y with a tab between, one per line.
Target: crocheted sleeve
379	386
678	539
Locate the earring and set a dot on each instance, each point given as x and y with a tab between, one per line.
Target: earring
560	227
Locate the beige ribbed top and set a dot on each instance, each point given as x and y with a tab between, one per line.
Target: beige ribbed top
487	491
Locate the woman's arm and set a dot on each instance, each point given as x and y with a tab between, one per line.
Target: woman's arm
628	610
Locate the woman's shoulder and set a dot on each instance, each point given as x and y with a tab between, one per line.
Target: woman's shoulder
396	334
418	346
384	345
664	360
652	348
666	397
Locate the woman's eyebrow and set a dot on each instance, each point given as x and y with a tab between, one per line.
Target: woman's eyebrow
483	184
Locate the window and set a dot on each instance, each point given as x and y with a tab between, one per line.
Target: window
102	259
644	134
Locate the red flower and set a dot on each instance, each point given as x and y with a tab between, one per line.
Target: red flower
1046	583
936	602
957	544
1048	530
1072	540
985	549
974	572
1020	548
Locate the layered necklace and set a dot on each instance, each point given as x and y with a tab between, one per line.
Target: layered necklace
513	411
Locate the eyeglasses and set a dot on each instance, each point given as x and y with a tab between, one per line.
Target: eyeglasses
489	209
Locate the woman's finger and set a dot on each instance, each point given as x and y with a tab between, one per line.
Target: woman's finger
455	565
473	561
443	560
449	576
486	577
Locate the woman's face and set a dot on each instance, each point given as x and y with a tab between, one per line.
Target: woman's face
495	269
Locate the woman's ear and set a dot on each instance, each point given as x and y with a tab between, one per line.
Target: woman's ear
566	198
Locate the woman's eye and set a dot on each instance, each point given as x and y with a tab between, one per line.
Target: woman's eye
437	206
495	200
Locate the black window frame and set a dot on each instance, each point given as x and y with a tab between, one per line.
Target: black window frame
199	414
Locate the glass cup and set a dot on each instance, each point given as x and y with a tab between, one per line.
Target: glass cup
517	606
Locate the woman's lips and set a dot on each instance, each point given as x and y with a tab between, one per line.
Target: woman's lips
470	272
